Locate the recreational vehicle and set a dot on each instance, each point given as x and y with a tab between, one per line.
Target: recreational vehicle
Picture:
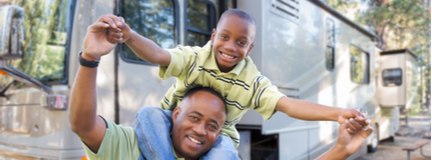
307	49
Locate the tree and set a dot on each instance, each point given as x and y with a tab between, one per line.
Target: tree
398	24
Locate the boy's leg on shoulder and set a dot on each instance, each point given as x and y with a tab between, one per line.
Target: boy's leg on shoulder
153	126
223	149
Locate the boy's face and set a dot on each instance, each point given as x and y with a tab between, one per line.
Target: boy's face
232	41
197	123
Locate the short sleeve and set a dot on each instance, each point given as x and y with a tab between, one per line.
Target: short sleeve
265	97
119	142
180	58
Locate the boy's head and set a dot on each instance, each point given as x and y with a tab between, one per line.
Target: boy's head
197	122
232	40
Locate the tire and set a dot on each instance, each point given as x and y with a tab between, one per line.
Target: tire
375	140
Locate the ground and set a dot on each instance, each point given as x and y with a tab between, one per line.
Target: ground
407	134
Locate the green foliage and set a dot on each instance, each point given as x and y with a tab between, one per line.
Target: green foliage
45	43
399	24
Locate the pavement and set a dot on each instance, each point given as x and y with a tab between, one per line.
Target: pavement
418	127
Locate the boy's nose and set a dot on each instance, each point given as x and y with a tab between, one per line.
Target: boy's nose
230	46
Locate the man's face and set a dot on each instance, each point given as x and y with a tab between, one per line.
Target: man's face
197	123
232	41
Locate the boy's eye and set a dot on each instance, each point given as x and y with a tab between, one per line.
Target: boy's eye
242	43
224	37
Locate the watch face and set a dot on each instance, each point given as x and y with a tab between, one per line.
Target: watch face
84	62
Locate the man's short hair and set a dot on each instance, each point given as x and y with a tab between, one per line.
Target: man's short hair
240	13
191	91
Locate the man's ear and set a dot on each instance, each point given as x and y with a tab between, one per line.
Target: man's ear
213	36
250	48
176	112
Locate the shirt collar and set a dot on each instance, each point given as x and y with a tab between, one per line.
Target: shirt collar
211	64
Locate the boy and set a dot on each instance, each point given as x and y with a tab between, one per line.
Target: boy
224	65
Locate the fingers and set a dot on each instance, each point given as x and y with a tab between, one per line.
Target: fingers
114	36
97	25
354	125
109	19
367	132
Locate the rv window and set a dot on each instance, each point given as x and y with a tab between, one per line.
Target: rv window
48	25
200	20
359	65
154	20
392	77
330	49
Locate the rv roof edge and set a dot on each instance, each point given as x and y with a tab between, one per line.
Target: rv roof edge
400	51
332	11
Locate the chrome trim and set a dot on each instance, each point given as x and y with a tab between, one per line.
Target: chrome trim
24	77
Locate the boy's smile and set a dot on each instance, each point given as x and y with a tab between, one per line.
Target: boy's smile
232	41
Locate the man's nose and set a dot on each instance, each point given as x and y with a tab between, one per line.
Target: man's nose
199	129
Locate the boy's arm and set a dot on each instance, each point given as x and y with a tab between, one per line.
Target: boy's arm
141	46
306	110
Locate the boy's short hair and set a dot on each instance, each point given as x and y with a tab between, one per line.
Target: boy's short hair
191	91
240	13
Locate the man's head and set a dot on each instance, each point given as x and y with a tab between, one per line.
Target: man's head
197	122
232	40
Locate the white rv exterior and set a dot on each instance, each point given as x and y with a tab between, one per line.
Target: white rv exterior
307	49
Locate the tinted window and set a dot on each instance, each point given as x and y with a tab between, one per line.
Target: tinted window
47	26
359	65
152	19
392	77
200	18
330	48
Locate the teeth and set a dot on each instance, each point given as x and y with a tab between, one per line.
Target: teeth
194	140
228	56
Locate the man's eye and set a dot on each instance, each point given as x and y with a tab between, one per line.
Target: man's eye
213	127
193	118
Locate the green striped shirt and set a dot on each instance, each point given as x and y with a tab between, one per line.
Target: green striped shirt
242	88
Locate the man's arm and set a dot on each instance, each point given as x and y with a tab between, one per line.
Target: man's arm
82	116
306	110
141	46
347	143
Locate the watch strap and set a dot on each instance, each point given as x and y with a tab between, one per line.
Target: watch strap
87	63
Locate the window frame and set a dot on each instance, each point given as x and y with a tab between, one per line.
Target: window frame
333	45
119	48
395	85
65	79
212	21
368	65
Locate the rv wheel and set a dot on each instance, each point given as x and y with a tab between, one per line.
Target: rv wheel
374	143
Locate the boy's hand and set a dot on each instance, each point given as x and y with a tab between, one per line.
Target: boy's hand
354	119
120	34
95	42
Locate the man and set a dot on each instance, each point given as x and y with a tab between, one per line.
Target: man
197	121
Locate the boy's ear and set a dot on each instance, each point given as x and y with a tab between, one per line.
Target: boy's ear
212	36
250	48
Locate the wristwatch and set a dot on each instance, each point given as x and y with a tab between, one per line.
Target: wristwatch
84	62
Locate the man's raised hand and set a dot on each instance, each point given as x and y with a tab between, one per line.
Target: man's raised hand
96	43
